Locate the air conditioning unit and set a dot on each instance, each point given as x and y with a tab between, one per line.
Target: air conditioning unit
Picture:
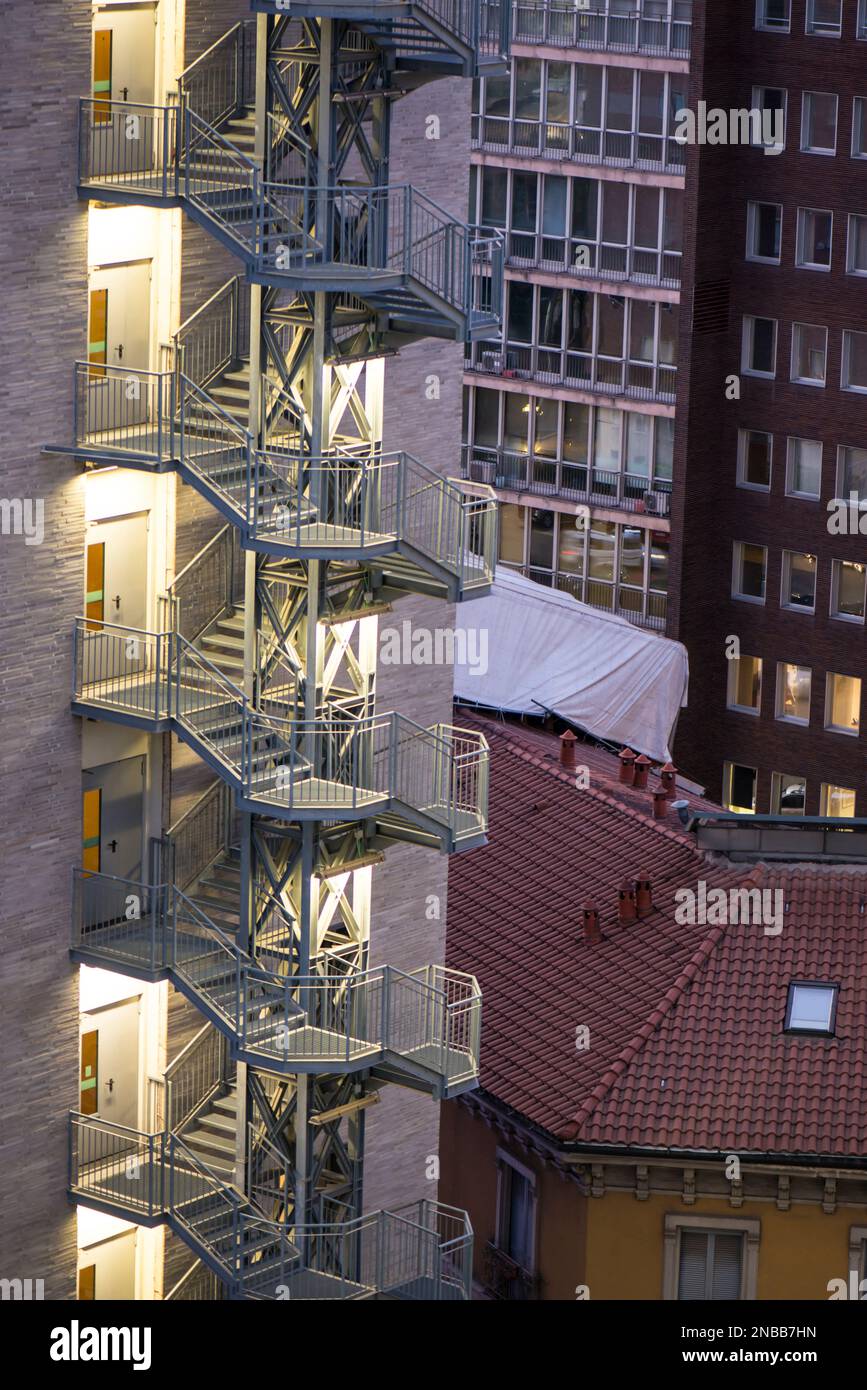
493	361
656	503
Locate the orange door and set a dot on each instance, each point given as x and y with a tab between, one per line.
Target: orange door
87	1283
91	838
88	1103
94	596
102	76
97	333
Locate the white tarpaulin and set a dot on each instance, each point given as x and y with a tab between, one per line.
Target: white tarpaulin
527	646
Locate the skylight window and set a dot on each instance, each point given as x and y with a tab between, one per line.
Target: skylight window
811	1008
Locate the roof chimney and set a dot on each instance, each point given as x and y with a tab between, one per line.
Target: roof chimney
668	776
626	903
643	895
567	749
591	925
642	767
627	766
682	809
660	805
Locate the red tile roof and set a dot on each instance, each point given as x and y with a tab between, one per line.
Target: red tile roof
687	1049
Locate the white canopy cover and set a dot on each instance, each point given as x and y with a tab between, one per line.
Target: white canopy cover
525	646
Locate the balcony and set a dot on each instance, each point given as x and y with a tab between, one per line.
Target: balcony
451	37
435	779
420	1027
577	371
535	139
505	1279
605	27
422	1251
393	247
547	477
586	259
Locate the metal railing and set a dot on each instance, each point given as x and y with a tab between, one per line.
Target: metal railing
222	80
199	836
552	477
128	145
216	335
644	608
587	258
206	588
421	1251
604	26
201	1070
581	371
199	1285
629	149
127	408
123	668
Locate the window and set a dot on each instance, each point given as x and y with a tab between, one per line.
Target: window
859	126
771	102
710	1258
745	684
838	802
773	14
811	1007
516	1215
824	18
750	572
843	704
793	692
512	520
856	251
764	225
809	353
861	22
754	459
788	794
813	245
819	123
853	376
848	590
804	468
799	581
739	788
852	473
759	348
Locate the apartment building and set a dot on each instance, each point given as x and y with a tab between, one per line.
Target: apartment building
569	413
225	463
769	593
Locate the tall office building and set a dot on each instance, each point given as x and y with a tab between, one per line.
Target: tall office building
770	592
569	414
240	278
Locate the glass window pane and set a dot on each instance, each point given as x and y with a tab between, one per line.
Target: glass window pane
576	428
524	188
639	434
542	539
520	329
844	703
486	433
512	520
632	556
848	594
805	467
494	197
517	419
602	543
607	444
527	77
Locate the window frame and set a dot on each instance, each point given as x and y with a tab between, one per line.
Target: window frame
732	683
819	383
800	262
791	491
779	698
825	150
748	342
772	27
829	726
835	594
822	33
506	1161
728	771
844	362
752	225
737	574
777	790
828	1032
743	448
676	1222
786	584
824	791
852	217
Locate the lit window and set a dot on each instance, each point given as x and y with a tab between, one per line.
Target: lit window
759	346
739	788
837	802
852	473
773	14
811	1007
764	227
813	247
745	684
754	459
848	590
853	375
788	794
799	581
804	468
824	17
793	692
856	254
809	353
843	704
750	571
819	123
